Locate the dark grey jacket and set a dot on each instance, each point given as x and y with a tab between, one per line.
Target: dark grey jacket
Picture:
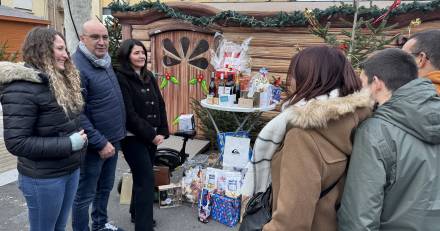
36	129
393	182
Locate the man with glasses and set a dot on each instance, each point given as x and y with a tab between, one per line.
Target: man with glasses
425	47
103	120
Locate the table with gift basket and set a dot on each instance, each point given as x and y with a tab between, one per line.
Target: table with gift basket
213	183
232	88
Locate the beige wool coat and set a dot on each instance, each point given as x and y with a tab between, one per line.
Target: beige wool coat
313	157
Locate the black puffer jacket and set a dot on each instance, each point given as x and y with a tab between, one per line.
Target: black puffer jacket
144	105
36	129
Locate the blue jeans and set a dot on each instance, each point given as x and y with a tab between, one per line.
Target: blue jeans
95	184
49	200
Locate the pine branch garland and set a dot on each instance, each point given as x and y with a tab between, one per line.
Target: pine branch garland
282	19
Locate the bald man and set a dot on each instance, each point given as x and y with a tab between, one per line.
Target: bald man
103	120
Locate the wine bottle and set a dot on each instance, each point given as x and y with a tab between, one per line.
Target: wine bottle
229	84
237	89
212	88
221	85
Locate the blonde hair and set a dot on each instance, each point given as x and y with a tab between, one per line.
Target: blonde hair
66	84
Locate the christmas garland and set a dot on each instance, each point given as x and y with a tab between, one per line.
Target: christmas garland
282	19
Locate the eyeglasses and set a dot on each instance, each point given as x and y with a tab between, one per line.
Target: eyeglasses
416	54
97	37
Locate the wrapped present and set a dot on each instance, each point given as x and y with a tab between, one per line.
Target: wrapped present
192	183
276	94
230	55
204	208
225	210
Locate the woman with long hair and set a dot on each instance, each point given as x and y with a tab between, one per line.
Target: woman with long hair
42	102
303	152
146	124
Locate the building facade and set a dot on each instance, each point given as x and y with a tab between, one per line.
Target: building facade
52	10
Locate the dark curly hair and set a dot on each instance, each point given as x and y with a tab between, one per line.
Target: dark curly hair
38	51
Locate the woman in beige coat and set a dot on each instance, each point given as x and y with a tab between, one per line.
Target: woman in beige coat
304	150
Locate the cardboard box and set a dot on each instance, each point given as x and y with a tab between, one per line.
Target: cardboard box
161	175
223	100
245	103
127	184
170	195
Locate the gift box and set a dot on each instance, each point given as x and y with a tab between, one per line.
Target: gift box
246	103
221	140
276	94
170	195
225	210
186	122
224	182
204	207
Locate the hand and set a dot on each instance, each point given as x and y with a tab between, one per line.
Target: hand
83	136
107	151
158	139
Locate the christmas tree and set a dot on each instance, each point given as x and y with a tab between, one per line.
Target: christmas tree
365	37
115	36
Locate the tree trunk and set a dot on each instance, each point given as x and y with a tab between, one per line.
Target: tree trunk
353	30
79	11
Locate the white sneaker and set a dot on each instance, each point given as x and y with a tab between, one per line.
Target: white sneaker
110	227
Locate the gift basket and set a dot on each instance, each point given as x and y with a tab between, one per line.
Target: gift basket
232	82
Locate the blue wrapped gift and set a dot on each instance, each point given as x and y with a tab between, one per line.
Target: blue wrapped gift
225	210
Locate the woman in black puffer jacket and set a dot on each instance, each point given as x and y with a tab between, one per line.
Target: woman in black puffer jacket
41	105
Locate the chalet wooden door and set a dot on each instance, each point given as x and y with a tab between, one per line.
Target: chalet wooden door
185	55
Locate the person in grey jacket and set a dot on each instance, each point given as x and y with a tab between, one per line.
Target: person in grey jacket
394	174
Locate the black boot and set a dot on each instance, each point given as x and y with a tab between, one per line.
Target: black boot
133	220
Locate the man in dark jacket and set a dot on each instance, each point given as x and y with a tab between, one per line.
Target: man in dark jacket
394	175
425	49
104	122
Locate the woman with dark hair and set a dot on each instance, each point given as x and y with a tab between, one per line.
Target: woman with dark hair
42	102
146	124
303	152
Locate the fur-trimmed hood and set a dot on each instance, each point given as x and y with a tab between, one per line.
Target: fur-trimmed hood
317	113
314	114
10	72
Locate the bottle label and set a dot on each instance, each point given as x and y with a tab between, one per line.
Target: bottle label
221	90
227	90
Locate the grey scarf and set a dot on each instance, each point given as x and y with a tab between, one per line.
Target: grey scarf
97	62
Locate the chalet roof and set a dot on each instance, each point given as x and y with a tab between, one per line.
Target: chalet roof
292	6
260	11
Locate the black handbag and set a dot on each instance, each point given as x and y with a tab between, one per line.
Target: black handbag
259	209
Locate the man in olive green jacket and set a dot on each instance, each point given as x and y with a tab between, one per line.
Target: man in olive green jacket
393	182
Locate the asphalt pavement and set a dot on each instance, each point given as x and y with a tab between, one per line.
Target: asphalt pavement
13	212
